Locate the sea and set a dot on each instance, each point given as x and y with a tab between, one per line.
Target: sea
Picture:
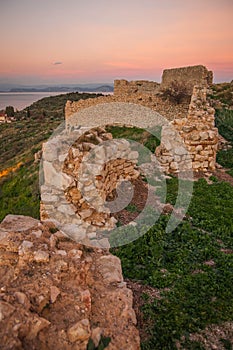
21	100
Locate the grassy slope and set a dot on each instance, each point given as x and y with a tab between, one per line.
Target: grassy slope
19	191
197	294
162	260
193	300
223	92
224	122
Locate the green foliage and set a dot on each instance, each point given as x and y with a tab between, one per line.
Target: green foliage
19	141
149	140
227	344
194	294
223	93
224	123
19	192
133	133
34	125
132	208
28	113
53	229
225	158
230	172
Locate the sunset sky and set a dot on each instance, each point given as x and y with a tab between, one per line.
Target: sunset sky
78	41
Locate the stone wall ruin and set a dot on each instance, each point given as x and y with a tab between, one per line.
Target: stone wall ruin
78	178
124	87
187	77
199	134
80	175
193	121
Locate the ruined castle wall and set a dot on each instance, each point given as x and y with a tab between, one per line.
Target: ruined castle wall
77	183
199	135
124	87
187	76
193	122
168	110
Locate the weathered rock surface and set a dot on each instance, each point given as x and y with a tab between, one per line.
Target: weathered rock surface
57	294
76	189
190	143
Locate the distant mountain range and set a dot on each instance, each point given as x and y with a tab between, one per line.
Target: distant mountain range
56	88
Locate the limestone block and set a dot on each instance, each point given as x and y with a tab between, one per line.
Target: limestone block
18	223
50	151
194	136
204	135
205	153
36	326
174	165
212	134
212	164
76	232
54	178
41	256
67	209
188	128
25	247
133	155
79	331
199	148
49	198
180	150
196	165
85	213
177	158
199	158
110	269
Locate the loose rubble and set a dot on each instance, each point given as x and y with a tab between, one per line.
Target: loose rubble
50	300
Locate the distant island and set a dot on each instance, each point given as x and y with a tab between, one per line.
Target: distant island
101	88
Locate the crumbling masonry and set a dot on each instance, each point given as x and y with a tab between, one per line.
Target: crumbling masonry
193	120
80	174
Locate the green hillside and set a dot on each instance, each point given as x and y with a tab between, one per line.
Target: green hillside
190	269
19	141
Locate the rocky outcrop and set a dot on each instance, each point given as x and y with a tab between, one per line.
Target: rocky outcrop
57	294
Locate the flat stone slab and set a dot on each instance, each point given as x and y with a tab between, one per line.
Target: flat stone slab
18	223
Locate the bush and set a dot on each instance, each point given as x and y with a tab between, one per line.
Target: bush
224	123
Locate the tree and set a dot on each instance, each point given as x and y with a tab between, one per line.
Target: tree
28	113
10	112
